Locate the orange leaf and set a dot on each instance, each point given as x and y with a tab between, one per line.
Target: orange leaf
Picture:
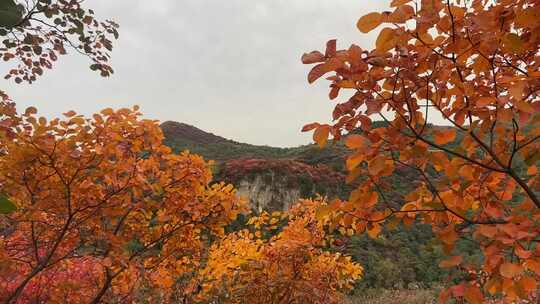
528	284
356	141
323	68
527	17
323	212
448	236
474	295
331	48
371	199
376	165
107	111
484	101
451	262
533	266
316	72
374	231
398	2
402	14
369	22
522	253
512	42
385	40
354	160
445	136
70	114
310	127
524	106
487	231
30	111
320	136
510	270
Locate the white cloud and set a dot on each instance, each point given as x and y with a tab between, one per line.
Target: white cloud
229	67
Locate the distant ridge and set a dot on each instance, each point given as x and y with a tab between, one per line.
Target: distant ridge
173	129
306	169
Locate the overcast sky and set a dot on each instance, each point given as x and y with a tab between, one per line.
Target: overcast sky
228	67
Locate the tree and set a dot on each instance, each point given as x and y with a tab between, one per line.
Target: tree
472	66
36	32
282	259
103	208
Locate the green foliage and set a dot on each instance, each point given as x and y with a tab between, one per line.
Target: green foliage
10	14
399	258
6	205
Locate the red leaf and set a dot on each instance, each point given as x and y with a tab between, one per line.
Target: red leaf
331	48
312	57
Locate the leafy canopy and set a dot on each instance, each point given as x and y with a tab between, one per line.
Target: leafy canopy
103	208
475	66
105	212
278	263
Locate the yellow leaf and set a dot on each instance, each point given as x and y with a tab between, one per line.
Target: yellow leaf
320	136
369	22
107	111
323	212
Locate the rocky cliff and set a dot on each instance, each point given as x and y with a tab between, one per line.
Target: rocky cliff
271	178
276	184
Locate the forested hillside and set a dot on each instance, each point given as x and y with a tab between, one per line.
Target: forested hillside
407	259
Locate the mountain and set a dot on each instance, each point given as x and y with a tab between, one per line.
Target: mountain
272	178
181	136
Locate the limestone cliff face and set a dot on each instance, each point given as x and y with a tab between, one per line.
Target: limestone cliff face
268	193
275	185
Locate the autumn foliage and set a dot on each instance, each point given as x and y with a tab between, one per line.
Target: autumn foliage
99	210
270	263
473	66
102	207
237	168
